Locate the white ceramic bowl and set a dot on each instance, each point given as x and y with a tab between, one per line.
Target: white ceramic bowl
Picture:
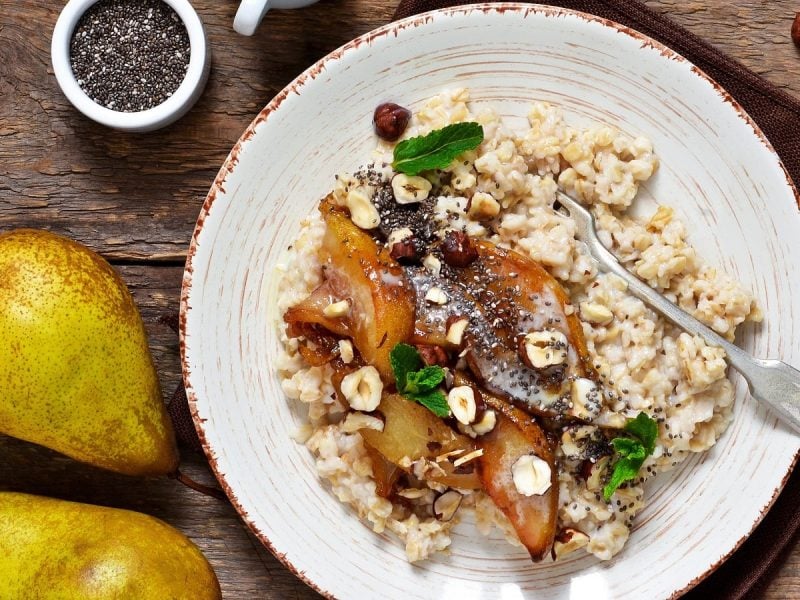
716	168
167	112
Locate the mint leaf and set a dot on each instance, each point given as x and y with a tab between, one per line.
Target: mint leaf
434	401
418	384
437	149
404	359
626	447
631	451
625	469
424	380
644	428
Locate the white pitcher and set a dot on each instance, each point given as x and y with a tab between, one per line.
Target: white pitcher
251	12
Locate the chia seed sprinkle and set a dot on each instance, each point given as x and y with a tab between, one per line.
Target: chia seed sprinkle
130	55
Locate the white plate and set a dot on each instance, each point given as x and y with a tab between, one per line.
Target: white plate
717	169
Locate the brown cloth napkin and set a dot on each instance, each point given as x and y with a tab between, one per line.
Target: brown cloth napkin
778	114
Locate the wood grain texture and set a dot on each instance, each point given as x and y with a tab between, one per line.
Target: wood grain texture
135	198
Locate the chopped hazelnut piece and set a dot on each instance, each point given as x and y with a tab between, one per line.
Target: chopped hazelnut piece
432	355
446	505
362	212
337	309
433	264
436	295
596	313
568	540
456	329
597	473
346	352
458	250
486	424
483	206
543	349
585	399
355	421
468	457
398	235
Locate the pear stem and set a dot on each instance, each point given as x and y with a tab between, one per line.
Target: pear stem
199	487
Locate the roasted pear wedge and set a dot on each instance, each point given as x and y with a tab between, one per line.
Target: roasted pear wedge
515	435
361	273
384	473
505	296
412	432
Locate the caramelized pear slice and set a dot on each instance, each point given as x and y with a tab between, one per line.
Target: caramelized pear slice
357	269
538	297
384	473
412	432
505	296
516	435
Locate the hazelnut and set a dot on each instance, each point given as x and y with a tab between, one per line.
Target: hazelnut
596	313
470	456
595	473
543	349
390	121
456	326
432	355
335	310
362	211
461	401
432	264
482	207
410	189
458	250
446	505
585	399
346	352
568	540
362	388
401	245
796	30
356	421
404	251
486	423
531	475
436	295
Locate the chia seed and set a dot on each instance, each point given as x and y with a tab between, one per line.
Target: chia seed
130	55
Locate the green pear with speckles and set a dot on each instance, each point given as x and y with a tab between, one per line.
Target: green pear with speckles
53	549
76	373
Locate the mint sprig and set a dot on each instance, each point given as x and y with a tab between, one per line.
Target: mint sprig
437	149
418	382
631	451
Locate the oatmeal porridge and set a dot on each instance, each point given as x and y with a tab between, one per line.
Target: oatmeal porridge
457	349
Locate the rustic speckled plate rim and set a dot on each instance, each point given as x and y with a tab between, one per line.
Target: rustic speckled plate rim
295	87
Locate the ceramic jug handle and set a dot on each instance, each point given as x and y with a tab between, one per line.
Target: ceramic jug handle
249	16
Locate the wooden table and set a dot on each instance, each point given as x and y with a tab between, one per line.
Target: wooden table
134	199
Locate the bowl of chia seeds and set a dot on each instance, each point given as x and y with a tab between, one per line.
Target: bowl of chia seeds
133	65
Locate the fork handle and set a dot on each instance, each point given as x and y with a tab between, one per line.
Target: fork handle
771	382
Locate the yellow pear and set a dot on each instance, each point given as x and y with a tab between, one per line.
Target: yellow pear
57	549
77	375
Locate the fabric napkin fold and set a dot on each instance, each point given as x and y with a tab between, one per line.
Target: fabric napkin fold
777	113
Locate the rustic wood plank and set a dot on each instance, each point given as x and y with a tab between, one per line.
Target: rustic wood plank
245	568
135	199
118	181
755	32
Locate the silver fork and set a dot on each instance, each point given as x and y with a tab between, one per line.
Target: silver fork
771	382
